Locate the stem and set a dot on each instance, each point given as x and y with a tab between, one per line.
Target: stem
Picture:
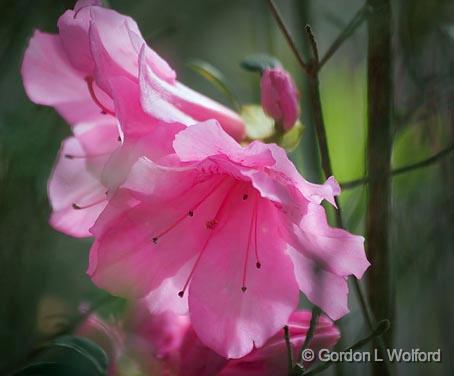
314	93
355	22
277	16
289	350
404	169
379	146
310	333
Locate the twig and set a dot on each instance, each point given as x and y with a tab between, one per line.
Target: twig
289	350
313	44
287	34
360	16
404	169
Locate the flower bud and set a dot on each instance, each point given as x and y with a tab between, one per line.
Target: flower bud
279	96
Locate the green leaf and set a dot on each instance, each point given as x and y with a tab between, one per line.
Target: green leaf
259	62
215	77
258	125
291	139
67	355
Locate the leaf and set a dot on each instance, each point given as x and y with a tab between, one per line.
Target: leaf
259	62
68	355
215	77
258	124
291	139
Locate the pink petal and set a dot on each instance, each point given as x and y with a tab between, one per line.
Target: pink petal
178	103
225	318
126	260
198	359
73	31
143	135
208	139
50	79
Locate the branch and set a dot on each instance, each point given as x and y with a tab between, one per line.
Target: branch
360	16
401	170
287	35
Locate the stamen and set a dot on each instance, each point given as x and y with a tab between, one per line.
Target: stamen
216	218
253	219
75	156
81	207
190	214
245	196
104	110
258	264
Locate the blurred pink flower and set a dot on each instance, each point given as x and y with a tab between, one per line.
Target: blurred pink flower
279	96
89	72
109	336
271	359
212	224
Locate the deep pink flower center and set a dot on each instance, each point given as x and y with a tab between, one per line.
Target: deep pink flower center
233	190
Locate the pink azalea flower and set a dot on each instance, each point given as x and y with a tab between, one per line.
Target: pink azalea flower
89	73
234	230
271	359
279	96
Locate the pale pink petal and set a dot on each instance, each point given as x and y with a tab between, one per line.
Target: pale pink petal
324	289
72	183
208	139
334	249
163	298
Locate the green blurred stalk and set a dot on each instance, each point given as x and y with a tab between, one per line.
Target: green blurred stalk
379	147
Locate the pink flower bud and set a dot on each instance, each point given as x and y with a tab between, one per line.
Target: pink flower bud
280	96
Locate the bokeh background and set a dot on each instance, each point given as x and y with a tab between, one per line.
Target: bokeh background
42	272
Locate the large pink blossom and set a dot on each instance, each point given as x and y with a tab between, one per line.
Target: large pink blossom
89	72
234	230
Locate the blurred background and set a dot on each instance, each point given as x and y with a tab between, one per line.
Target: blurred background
42	272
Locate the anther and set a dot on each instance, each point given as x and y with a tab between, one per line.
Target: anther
80	207
191	213
91	90
245	196
244	288
211	225
155	240
258	265
181	293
